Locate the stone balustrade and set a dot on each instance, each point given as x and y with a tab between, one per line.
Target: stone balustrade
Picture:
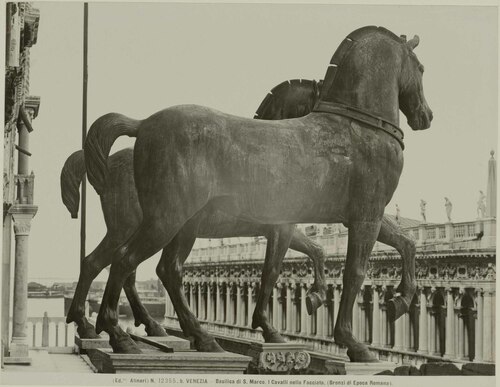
452	315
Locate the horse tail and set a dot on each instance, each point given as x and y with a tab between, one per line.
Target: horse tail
101	136
72	175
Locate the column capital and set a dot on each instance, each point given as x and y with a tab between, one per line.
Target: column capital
22	218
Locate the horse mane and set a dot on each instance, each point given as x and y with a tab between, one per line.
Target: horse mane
72	175
278	94
345	46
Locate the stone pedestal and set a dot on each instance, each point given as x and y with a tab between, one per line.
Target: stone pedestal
176	343
283	358
156	362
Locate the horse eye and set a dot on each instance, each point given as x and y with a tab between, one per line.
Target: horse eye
421	68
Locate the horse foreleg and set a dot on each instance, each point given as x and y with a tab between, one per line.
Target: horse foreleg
316	296
278	242
92	265
141	314
391	234
362	236
169	270
149	238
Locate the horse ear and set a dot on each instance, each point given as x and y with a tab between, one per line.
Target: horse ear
412	43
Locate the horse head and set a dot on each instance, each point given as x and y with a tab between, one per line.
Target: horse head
411	96
376	72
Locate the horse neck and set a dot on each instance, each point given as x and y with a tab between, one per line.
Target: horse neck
368	80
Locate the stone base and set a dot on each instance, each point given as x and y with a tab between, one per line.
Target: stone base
368	368
154	361
18	349
11	360
176	343
282	358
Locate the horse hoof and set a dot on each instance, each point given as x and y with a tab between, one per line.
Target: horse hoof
361	356
87	332
124	344
155	329
313	302
396	307
273	337
208	346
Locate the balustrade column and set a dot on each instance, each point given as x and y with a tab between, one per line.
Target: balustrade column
376	317
303	310
289	313
450	325
209	302
487	326
423	332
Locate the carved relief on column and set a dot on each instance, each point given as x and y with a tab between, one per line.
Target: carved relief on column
210	289
384	326
280	323
240	308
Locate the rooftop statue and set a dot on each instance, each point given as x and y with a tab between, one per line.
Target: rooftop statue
448	206
481	205
423	203
339	164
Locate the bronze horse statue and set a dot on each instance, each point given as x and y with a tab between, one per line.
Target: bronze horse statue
339	164
292	99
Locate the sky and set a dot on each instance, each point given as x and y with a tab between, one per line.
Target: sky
146	57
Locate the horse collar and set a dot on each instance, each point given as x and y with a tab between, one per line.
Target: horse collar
361	116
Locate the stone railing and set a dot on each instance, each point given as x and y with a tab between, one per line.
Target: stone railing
49	332
478	234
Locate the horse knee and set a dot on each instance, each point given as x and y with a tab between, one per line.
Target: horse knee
92	267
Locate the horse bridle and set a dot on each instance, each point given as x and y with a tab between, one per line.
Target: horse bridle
345	110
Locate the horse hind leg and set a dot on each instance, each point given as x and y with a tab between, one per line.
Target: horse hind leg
92	265
149	238
169	270
141	314
316	296
362	236
391	234
278	242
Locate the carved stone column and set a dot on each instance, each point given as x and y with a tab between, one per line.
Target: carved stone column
22	216
210	316
376	317
450	326
399	334
251	305
240	309
275	307
478	350
320	321
487	325
218	306
460	336
194	307
289	312
303	311
423	326
355	318
229	305
336	304
279	317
